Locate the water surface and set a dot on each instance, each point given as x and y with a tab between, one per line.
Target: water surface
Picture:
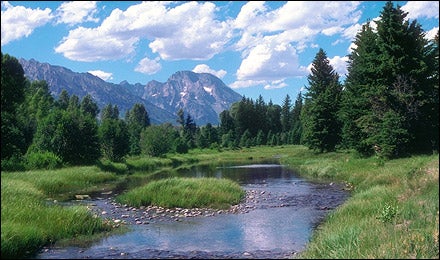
279	225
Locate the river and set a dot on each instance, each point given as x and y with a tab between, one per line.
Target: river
276	221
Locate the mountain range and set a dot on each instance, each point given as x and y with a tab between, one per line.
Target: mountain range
201	95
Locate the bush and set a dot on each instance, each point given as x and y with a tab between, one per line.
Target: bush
15	163
43	160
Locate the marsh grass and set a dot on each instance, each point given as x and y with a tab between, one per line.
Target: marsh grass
28	222
392	212
404	192
185	193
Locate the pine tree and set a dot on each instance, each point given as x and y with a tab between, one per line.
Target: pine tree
391	83
321	127
296	120
137	119
361	80
286	119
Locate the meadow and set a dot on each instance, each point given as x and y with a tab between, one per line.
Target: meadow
393	210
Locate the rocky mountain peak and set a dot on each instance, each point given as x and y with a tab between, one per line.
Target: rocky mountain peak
202	95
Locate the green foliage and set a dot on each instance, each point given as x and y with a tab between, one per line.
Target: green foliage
89	107
70	135
392	79
137	119
321	127
388	213
157	140
114	139
42	160
12	95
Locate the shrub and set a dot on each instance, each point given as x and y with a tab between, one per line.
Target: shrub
43	160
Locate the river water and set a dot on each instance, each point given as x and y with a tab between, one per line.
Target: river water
281	213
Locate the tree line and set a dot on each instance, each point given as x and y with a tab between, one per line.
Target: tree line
387	106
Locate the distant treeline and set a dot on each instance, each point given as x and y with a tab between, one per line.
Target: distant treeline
388	106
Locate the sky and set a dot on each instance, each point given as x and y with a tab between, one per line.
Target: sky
255	47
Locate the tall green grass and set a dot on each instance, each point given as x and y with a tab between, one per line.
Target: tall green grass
393	211
185	193
29	222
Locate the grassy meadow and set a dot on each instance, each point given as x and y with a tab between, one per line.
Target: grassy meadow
393	211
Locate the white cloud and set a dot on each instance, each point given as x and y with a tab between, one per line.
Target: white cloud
101	74
431	33
421	9
148	66
76	12
186	31
203	68
339	64
272	39
270	61
84	44
247	83
276	84
18	21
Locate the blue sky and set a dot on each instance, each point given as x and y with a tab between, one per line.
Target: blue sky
256	48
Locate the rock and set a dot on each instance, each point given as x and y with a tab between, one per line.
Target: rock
82	197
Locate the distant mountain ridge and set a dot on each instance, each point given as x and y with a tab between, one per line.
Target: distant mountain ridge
202	95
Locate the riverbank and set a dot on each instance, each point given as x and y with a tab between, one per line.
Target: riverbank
393	211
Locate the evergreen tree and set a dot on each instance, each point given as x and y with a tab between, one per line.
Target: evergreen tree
110	112
391	80
137	119
361	80
63	99
286	119
321	127
226	122
296	119
89	106
273	118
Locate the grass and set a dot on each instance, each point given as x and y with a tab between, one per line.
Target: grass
393	211
29	222
185	193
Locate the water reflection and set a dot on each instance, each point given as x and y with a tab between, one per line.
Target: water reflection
284	222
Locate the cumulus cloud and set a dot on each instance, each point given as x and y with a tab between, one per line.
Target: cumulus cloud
276	84
18	21
272	39
85	44
148	66
203	68
76	12
421	9
101	74
339	64
270	61
186	31
431	33
247	83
